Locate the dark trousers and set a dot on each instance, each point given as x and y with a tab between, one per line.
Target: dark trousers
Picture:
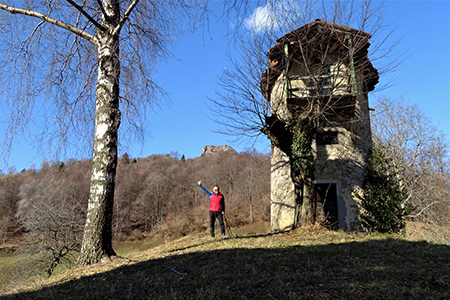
212	220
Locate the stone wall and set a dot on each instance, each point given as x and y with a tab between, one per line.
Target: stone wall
284	208
342	164
328	88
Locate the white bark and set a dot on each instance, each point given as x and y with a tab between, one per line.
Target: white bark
97	240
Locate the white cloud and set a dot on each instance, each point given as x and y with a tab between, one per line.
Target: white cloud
263	18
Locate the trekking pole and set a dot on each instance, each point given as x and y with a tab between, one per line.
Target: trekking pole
227	228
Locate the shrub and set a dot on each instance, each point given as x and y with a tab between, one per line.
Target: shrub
383	197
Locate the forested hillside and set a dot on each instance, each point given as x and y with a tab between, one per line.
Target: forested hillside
153	194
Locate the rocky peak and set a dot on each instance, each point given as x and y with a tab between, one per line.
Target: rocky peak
210	149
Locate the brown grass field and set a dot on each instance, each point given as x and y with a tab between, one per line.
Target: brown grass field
307	263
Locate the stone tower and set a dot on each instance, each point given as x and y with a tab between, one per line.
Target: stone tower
317	83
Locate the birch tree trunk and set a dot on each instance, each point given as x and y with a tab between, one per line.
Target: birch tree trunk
97	239
51	57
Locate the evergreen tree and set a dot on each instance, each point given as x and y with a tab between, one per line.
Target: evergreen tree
383	199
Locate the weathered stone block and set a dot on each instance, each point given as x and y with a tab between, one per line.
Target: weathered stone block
283	197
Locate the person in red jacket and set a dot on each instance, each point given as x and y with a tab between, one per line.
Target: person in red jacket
216	207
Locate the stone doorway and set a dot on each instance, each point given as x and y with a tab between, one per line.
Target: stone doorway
326	208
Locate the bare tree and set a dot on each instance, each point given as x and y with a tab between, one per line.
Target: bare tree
254	182
419	152
62	55
240	98
130	180
244	97
53	221
154	199
410	138
9	197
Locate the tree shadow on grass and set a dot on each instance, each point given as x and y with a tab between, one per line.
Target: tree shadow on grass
376	269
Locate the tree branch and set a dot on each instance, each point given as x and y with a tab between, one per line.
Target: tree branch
102	8
125	17
61	24
424	209
84	13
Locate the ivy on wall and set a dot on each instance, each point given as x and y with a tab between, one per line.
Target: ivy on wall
302	158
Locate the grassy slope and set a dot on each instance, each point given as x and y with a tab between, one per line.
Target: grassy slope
305	264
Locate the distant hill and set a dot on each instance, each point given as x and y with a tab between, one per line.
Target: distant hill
152	194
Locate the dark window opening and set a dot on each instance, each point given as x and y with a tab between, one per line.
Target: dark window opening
326	205
327	138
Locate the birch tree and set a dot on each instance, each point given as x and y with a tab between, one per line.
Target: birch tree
76	61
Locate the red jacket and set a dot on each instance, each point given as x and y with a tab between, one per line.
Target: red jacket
216	202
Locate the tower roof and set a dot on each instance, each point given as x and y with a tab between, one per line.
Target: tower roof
318	23
316	41
308	35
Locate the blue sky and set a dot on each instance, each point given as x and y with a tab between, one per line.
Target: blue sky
422	79
186	124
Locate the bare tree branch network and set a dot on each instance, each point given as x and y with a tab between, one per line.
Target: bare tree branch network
243	100
78	70
419	152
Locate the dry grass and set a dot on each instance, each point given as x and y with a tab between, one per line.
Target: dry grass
423	231
309	263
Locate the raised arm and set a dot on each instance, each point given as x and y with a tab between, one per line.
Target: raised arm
204	189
